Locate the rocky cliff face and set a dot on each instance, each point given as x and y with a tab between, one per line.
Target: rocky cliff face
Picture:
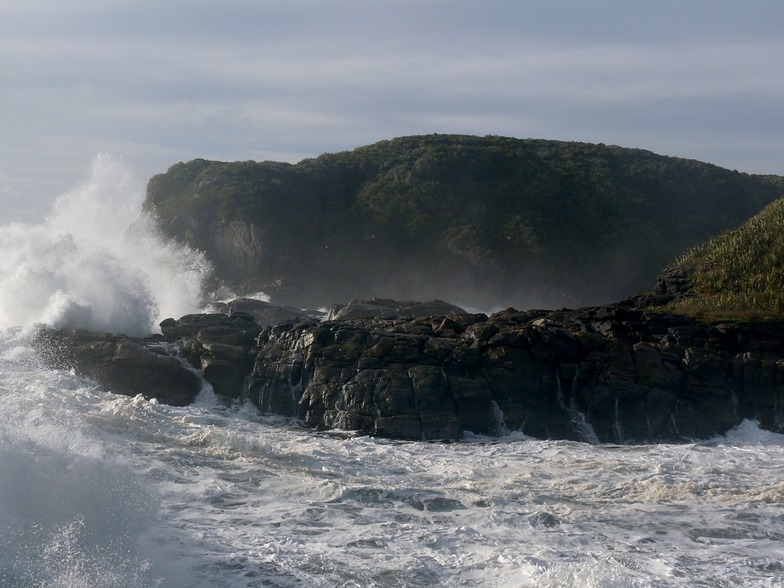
609	374
238	246
605	374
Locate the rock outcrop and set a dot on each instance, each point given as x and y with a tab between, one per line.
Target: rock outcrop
606	374
614	373
391	308
217	344
121	364
264	313
171	367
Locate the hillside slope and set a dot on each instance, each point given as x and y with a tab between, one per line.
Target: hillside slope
737	275
478	221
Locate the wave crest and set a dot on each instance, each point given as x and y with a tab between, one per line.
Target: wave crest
97	263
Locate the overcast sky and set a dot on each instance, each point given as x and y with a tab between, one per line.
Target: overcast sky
155	82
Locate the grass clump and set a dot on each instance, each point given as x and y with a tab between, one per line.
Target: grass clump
739	275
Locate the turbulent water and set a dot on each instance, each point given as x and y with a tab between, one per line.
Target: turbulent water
104	490
95	263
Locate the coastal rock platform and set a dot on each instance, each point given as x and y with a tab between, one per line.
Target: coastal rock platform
612	373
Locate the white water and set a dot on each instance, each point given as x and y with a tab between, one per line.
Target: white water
99	490
95	264
118	491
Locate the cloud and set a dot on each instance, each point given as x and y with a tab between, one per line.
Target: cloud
168	81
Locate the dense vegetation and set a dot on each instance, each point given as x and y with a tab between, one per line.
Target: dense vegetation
481	221
739	274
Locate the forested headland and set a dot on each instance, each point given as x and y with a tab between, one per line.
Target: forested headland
483	222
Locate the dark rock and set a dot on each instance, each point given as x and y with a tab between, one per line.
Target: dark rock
264	313
219	345
544	519
388	309
120	364
608	374
674	282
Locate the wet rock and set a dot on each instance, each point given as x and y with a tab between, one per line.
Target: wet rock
219	345
544	519
120	364
614	374
609	374
264	313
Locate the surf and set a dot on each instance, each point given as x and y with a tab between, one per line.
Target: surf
96	262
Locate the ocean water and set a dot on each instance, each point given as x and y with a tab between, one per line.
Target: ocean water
101	490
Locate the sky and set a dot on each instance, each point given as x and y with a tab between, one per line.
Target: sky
155	82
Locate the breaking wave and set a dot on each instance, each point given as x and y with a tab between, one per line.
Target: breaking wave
95	263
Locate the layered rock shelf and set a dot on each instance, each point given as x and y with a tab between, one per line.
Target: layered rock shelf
614	373
607	374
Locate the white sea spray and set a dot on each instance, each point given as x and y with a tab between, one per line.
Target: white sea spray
96	263
72	509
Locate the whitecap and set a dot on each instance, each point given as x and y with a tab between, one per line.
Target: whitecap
95	263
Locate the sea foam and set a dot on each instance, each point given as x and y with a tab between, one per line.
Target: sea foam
73	511
96	262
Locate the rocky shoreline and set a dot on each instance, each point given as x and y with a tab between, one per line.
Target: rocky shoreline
615	373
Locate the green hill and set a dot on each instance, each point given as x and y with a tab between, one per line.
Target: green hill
739	274
478	221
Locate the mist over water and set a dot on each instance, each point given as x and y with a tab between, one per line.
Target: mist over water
95	263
